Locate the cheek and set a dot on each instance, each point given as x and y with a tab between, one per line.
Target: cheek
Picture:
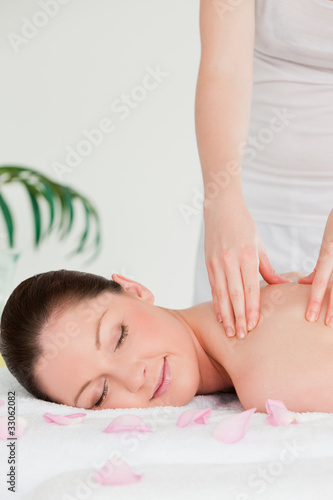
149	331
186	377
158	331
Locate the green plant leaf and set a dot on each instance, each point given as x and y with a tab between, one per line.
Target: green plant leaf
8	220
33	195
86	230
53	193
96	243
49	196
89	213
67	212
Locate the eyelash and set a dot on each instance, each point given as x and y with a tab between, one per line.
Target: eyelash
124	333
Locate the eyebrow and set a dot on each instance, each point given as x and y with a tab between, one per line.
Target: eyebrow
98	346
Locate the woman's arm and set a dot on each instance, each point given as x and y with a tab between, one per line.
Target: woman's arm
234	251
224	90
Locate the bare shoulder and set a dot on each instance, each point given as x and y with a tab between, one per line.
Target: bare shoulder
200	316
202	320
227	36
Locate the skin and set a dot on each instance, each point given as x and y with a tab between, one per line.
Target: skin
234	251
133	369
286	358
320	277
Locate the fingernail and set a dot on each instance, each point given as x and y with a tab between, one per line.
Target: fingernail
229	331
241	334
219	318
330	321
252	323
311	316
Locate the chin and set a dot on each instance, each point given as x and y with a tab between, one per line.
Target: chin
185	401
180	396
181	401
185	394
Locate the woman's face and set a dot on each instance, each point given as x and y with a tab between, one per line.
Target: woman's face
138	340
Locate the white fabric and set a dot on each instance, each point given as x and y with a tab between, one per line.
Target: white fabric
55	462
287	168
289	248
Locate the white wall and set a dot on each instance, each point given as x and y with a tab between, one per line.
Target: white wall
64	80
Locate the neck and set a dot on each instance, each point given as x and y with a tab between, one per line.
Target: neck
213	376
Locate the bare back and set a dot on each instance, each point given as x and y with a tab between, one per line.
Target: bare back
285	357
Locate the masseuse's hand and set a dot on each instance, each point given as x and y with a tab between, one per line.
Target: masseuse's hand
234	255
320	277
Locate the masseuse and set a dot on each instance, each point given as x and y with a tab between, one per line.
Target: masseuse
264	108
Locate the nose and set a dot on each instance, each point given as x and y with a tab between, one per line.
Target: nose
130	375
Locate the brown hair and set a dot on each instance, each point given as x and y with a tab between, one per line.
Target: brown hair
28	310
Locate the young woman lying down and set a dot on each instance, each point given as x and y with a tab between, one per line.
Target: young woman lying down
85	341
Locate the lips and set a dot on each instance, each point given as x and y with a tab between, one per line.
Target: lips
164	380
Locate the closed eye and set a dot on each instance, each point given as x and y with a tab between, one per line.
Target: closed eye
123	335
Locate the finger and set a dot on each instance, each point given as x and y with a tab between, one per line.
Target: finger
226	309
211	278
318	289
236	294
250	275
221	300
329	314
307	280
267	271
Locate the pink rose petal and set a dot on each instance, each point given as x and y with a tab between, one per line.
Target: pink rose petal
127	423
20	425
115	472
198	416
74	418
233	429
279	414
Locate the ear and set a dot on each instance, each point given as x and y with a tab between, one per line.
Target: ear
134	288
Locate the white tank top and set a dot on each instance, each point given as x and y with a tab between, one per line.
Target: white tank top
287	169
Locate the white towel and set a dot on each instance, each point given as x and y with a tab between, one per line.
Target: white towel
57	462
